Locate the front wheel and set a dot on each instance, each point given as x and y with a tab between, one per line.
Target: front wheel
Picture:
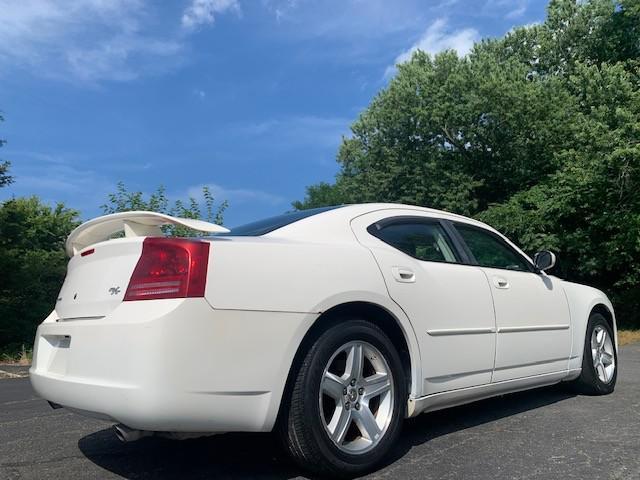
347	403
600	360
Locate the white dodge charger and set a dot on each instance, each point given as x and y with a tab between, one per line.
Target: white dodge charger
329	326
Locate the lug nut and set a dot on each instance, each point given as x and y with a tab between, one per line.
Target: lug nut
357	406
344	391
353	382
360	391
347	406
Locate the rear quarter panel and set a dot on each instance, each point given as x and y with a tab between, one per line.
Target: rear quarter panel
288	276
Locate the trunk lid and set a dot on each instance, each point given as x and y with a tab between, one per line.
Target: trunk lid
96	283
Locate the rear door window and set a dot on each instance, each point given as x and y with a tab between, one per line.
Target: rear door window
422	239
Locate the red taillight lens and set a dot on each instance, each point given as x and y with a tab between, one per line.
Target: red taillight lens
169	268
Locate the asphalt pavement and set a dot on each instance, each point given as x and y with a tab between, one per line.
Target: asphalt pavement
545	434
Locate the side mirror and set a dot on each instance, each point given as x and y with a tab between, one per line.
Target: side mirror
544	260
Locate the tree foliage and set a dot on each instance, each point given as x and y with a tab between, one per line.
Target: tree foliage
536	133
124	200
5	178
32	265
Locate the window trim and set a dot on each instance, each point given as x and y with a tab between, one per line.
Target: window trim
458	241
495	236
460	254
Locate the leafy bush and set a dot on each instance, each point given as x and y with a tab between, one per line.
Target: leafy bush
32	265
123	201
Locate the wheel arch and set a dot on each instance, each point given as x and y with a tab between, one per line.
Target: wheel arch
382	317
379	316
607	313
603	310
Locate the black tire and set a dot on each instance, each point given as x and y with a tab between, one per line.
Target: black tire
588	382
302	428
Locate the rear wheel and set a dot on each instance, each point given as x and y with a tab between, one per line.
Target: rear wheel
599	361
347	403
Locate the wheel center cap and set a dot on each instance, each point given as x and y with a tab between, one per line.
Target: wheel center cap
352	395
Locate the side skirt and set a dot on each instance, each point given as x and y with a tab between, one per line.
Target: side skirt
438	401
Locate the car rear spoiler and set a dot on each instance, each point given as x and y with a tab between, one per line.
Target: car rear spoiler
134	224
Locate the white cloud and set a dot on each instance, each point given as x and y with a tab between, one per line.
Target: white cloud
438	37
90	41
202	12
281	9
444	4
514	8
58	178
201	94
516	12
82	40
236	195
346	19
115	59
298	131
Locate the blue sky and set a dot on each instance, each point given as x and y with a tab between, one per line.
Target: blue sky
249	97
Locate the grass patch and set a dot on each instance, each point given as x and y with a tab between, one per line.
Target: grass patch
21	357
625	337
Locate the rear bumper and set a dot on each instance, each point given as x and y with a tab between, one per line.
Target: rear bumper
170	365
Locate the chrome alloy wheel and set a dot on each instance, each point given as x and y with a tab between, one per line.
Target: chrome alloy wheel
356	397
604	360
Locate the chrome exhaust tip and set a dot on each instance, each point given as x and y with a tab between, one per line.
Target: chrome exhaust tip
126	434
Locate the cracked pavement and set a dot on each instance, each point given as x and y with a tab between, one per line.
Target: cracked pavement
540	434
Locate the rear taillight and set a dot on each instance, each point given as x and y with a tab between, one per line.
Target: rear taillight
169	268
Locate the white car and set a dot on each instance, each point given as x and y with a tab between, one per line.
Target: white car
329	326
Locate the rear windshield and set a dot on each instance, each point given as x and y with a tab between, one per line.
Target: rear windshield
262	227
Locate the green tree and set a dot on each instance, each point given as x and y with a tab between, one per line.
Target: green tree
321	195
536	133
124	200
589	210
454	133
5	178
32	265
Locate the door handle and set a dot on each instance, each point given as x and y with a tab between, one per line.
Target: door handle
500	282
403	274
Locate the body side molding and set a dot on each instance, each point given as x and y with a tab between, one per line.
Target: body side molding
532	328
460	331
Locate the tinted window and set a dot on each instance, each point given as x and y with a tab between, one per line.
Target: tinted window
491	251
421	239
262	227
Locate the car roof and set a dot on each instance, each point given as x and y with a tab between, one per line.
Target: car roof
333	225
